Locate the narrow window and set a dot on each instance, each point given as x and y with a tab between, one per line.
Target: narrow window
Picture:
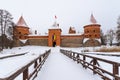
19	32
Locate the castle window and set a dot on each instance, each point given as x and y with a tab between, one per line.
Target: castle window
93	30
19	36
19	32
95	35
89	35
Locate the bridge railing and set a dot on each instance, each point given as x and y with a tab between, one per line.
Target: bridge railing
93	64
38	62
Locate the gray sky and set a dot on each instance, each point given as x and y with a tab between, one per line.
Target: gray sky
39	14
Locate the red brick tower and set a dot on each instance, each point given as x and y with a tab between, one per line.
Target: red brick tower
54	35
92	33
21	30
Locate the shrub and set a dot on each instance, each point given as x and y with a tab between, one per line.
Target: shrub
108	49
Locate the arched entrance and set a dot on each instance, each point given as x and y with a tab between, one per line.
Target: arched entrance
54	44
54	40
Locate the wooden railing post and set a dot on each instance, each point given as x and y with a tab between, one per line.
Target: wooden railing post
25	74
71	55
39	59
115	70
78	58
35	65
84	58
94	64
74	56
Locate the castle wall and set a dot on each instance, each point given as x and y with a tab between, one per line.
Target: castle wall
71	41
66	40
37	40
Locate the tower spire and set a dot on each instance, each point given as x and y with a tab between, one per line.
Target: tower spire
55	23
21	22
92	19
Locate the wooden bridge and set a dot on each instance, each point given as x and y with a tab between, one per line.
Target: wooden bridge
88	62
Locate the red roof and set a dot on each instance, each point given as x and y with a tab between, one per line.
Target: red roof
21	22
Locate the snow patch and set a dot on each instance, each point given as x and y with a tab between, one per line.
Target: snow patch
23	41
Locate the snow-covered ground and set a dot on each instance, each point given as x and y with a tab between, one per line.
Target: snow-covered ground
56	67
10	65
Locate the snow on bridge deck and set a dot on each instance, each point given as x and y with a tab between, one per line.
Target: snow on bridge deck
59	67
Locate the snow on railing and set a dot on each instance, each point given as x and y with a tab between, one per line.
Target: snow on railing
93	64
38	62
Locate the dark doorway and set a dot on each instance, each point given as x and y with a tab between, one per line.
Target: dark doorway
54	44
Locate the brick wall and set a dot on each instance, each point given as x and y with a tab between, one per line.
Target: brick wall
71	41
38	42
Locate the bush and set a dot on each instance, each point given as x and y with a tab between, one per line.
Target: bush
108	49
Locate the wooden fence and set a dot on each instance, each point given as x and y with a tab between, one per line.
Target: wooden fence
93	64
38	62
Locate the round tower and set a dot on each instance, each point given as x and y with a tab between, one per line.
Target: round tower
92	33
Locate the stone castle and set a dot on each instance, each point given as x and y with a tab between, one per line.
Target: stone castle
90	37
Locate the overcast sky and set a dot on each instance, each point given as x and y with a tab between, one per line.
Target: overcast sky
39	14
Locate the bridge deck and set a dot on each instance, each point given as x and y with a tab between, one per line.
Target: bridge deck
59	67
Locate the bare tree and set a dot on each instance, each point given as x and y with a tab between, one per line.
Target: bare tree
110	36
118	31
5	24
103	38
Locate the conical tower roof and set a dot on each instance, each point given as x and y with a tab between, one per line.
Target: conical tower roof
92	19
21	22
